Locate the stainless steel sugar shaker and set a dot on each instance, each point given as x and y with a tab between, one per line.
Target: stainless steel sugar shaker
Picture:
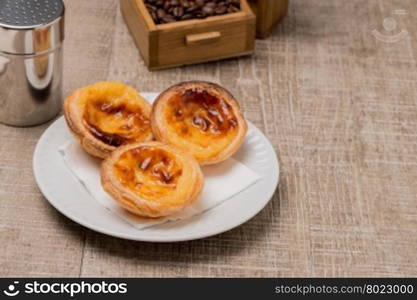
31	37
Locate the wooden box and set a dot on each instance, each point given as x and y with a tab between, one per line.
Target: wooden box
191	41
268	14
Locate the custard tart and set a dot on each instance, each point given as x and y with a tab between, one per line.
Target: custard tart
152	179
199	117
106	115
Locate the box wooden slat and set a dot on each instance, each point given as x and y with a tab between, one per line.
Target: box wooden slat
268	14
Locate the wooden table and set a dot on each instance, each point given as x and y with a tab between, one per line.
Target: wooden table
340	107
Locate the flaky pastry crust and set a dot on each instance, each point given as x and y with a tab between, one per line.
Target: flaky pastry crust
106	115
199	117
152	179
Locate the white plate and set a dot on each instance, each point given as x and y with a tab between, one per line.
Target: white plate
65	192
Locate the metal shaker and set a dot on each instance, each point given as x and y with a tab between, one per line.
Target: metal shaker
31	37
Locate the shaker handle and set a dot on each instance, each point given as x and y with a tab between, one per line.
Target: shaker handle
3	64
202	38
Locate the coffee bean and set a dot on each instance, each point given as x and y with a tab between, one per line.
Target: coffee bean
178	11
168	19
200	15
208	10
185	3
232	9
210	4
220	10
167	11
150	7
200	3
187	17
160	13
192	8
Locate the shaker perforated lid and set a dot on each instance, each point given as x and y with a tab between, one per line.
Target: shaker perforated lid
29	13
22	21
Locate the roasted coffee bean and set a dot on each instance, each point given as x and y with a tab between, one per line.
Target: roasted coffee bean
178	12
160	13
208	10
232	9
187	17
167	5
185	3
220	10
210	4
167	11
200	3
200	15
168	19
192	8
150	7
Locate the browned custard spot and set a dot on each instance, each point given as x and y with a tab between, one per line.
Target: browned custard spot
148	171
202	111
115	123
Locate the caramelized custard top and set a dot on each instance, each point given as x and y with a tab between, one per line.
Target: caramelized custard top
197	112
115	122
149	172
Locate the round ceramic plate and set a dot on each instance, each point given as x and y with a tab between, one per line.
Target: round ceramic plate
67	194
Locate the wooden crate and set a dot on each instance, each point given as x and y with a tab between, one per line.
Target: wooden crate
191	41
268	14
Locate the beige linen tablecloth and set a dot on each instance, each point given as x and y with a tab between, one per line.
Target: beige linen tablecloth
339	106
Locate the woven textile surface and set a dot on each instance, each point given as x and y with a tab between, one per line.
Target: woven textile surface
338	104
